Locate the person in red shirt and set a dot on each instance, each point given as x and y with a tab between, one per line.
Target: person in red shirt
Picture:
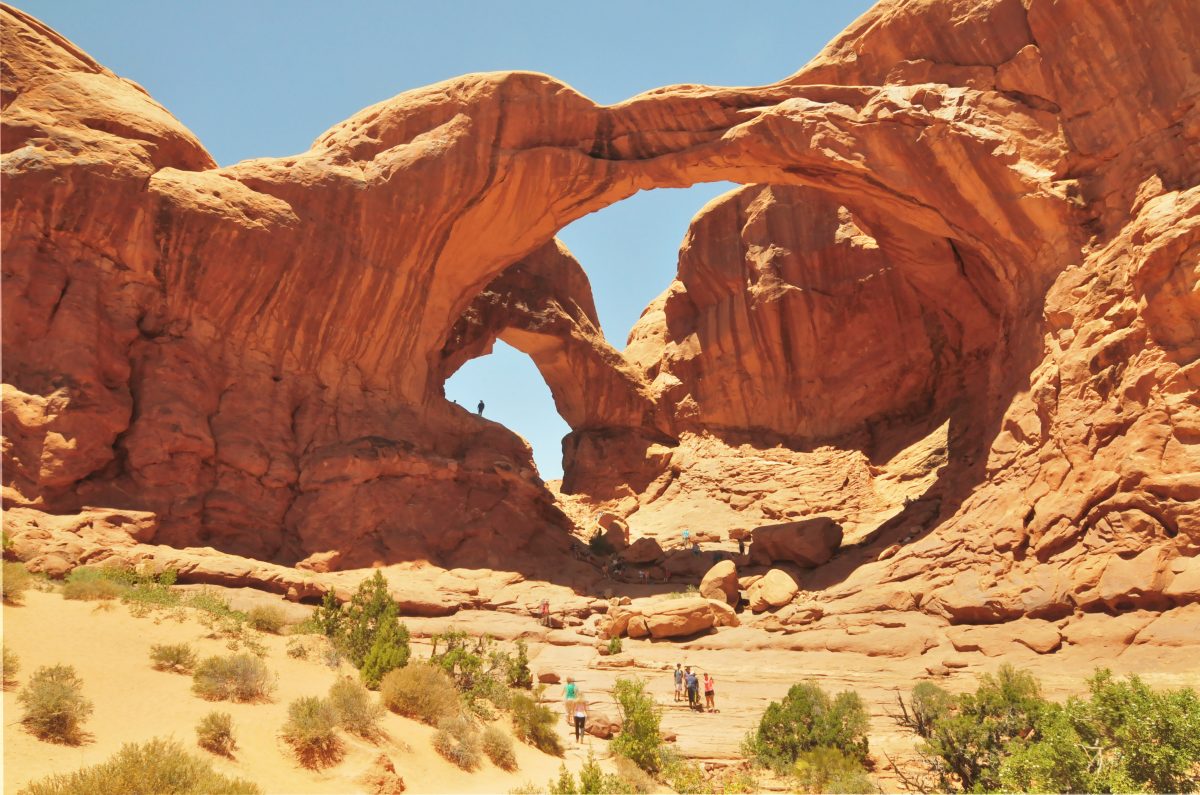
709	693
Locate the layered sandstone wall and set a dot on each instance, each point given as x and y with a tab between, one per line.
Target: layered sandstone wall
954	308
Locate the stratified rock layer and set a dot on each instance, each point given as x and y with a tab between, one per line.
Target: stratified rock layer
954	311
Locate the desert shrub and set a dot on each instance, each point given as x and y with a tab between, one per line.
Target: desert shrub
808	718
534	724
297	648
614	645
599	545
370	610
17	580
158	766
517	667
214	732
389	651
639	738
458	741
238	677
499	748
218	607
420	691
930	704
267	618
594	781
92	583
1125	737
356	711
12	665
825	769
55	707
969	740
311	730
632	778
177	657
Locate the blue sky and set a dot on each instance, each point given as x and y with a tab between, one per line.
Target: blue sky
263	78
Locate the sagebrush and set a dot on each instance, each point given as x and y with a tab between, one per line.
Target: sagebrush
55	707
238	677
214	733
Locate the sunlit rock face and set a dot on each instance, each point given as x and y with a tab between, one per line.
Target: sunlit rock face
954	308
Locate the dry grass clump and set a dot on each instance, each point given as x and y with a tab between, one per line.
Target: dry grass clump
55	707
311	731
267	618
420	691
90	584
158	766
458	741
357	712
214	733
12	664
499	748
179	658
238	677
16	582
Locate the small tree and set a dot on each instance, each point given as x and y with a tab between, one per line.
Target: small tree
518	673
389	650
55	707
639	738
534	724
808	718
371	609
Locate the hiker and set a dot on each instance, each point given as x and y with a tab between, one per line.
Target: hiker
741	546
710	693
696	548
545	612
687	534
570	691
481	408
579	712
678	682
693	688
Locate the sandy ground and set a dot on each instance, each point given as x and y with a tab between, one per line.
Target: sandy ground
109	649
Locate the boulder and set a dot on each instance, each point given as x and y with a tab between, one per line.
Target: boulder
809	542
602	725
548	678
638	627
724	614
775	589
644	550
721	583
673	618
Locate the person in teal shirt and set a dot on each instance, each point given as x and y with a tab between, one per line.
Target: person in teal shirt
570	692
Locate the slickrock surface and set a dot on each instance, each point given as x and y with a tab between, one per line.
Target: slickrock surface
954	311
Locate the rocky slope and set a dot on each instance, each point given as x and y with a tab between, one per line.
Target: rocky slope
954	310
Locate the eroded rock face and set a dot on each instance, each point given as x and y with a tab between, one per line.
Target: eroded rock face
954	311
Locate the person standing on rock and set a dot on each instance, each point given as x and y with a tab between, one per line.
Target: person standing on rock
693	688
710	693
678	682
687	535
481	408
545	612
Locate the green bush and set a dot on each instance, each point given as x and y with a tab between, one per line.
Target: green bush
614	645
1124	738
824	769
55	707
178	657
594	781
311	731
158	766
639	739
370	610
930	704
808	718
356	711
91	583
12	665
214	732
499	748
16	581
632	778
599	545
267	618
518	673
389	651
534	724
420	691
970	739
458	741
238	677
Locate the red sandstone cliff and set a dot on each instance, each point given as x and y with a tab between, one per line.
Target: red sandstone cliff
956	308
